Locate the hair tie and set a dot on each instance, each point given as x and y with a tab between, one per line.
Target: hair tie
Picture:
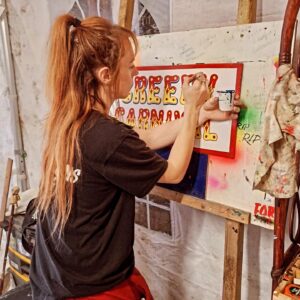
76	22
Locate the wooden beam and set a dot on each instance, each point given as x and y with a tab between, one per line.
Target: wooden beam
214	208
234	236
7	178
281	209
126	13
233	259
246	11
290	16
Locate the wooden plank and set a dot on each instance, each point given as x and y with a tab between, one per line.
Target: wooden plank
296	50
246	11
281	209
126	13
7	178
233	259
287	33
214	208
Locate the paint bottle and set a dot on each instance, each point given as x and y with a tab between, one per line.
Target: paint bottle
226	99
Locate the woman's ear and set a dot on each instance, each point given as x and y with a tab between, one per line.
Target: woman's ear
104	75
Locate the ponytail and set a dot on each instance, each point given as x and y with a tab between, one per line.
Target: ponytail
59	55
77	50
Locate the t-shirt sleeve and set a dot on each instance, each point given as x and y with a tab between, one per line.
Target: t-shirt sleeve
134	167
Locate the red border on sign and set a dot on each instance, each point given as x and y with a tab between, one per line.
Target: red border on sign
239	70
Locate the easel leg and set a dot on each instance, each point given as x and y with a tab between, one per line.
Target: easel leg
233	259
125	13
281	208
5	192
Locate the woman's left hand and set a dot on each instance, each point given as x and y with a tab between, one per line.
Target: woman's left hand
210	111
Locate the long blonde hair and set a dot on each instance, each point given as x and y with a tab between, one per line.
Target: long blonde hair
77	50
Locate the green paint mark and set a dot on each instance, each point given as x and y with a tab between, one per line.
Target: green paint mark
249	115
24	155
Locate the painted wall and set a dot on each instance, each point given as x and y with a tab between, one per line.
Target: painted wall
189	265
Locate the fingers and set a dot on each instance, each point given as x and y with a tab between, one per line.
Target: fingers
211	111
188	79
233	116
211	103
201	76
196	79
238	102
237	105
236	109
200	79
227	115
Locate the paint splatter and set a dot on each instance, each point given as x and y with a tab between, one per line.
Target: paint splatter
246	177
264	220
289	129
224	161
216	183
276	62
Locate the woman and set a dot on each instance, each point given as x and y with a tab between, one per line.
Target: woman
93	165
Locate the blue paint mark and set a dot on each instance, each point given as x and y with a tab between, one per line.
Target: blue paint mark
194	181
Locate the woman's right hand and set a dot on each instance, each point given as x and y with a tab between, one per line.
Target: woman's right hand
195	90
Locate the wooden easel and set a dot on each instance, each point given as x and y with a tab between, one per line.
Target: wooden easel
5	193
234	219
234	236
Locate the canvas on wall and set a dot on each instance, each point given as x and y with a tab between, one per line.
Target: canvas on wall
229	180
156	98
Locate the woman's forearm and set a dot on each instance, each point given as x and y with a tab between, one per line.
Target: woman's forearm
161	136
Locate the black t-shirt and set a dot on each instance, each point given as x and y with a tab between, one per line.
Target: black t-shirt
95	252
